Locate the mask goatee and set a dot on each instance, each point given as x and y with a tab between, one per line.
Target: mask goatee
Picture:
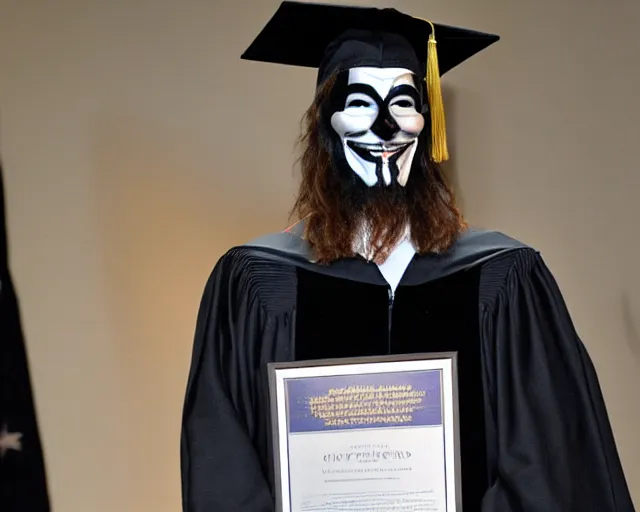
378	217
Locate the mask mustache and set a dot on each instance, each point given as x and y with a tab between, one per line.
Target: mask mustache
354	135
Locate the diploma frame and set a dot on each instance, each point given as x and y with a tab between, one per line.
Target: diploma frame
446	362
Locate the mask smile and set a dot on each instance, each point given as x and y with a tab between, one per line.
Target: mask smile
374	152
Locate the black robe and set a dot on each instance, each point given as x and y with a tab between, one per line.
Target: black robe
535	435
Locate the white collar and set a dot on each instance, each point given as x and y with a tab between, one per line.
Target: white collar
361	242
398	260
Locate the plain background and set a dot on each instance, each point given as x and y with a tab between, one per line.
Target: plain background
138	147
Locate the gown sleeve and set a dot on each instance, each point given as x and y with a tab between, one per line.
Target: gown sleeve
220	467
554	448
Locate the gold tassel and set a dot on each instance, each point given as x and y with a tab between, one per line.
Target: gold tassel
439	151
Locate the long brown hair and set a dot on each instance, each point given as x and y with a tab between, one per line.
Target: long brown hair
333	204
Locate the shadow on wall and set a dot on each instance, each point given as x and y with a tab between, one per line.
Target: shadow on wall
450	168
465	113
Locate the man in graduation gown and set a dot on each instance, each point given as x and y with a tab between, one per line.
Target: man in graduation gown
381	263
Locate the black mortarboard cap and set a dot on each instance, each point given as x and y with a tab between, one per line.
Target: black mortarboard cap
333	38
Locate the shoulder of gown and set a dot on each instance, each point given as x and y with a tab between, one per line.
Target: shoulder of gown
551	444
220	466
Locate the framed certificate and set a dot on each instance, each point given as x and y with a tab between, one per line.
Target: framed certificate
366	434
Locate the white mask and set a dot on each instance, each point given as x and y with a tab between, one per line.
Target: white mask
380	123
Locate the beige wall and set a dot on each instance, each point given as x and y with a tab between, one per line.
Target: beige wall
138	147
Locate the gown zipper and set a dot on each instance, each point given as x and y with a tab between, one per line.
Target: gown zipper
390	315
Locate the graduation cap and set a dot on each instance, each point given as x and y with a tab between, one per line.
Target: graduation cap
334	38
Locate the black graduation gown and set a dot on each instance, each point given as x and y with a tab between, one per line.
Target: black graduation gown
535	436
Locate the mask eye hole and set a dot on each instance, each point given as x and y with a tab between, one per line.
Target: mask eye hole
403	102
358	103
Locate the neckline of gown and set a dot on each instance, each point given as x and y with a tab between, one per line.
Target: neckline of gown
473	247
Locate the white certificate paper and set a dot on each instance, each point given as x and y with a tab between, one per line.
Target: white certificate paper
367	436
